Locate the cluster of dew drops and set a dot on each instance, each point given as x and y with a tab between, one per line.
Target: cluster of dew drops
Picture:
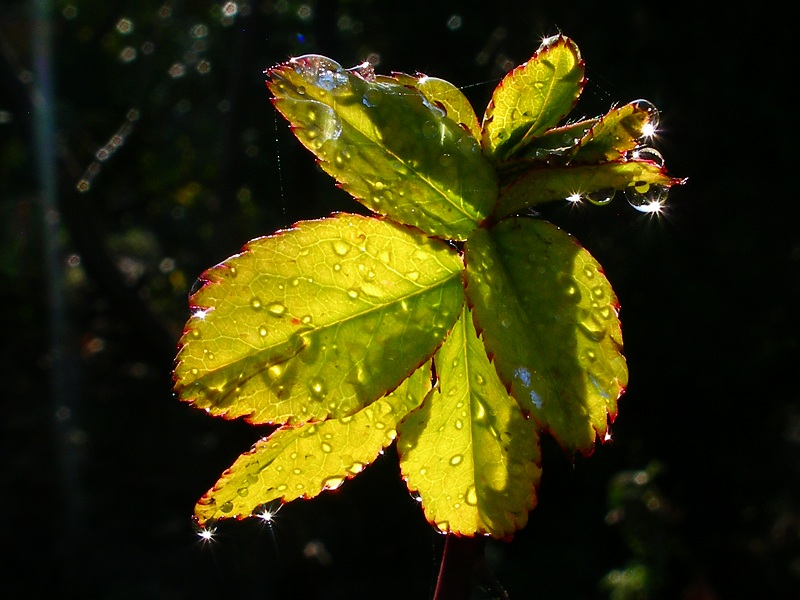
644	197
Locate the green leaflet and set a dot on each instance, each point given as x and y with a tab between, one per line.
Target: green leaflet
317	321
468	451
447	98
295	462
387	145
548	317
617	132
541	184
533	98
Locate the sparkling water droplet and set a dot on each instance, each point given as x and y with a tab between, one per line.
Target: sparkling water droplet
341	247
652	116
647	153
413	275
317	388
456	459
459	423
326	447
353	294
255	303
320	71
601	197
262	331
646	197
227	507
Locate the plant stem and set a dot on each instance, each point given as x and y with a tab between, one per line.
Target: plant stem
460	558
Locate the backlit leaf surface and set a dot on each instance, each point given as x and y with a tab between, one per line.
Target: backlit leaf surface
547	183
532	98
447	97
295	462
617	132
468	451
317	321
387	145
548	317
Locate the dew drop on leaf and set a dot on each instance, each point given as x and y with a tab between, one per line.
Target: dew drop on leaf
331	483
601	197
356	467
456	459
371	98
646	197
471	496
276	309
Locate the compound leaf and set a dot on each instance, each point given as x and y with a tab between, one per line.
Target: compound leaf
295	462
548	317
317	321
387	145
468	451
533	98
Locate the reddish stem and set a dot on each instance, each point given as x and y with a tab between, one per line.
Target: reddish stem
460	560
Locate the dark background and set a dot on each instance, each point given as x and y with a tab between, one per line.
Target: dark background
697	495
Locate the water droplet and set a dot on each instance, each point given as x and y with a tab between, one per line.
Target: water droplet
227	507
592	331
282	487
306	319
471	496
297	471
255	303
276	309
459	424
243	491
456	459
356	467
326	447
413	275
598	292
317	388
320	71
646	197
262	331
646	153
353	294
601	197
652	115
331	483
443	526
430	129
371	98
